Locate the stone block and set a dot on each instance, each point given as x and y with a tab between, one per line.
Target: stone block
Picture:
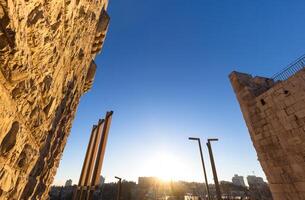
300	186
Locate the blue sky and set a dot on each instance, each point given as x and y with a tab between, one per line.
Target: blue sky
164	72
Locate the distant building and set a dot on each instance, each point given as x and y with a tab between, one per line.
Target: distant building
68	183
61	193
254	180
238	180
233	191
258	188
147	181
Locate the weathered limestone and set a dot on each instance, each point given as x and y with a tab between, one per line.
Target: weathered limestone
90	76
46	63
275	116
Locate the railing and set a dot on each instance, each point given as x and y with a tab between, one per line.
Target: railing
290	70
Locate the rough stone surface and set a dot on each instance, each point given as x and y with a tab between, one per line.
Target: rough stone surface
46	63
275	116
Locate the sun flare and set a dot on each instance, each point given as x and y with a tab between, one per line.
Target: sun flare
165	166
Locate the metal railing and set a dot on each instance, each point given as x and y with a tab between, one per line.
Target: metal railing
290	70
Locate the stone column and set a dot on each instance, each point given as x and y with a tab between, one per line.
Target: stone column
86	162
92	159
100	156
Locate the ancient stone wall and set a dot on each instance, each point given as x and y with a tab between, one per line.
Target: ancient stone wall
47	50
275	116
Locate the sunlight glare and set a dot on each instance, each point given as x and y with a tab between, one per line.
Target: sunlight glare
165	166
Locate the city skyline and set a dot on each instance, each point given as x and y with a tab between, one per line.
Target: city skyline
162	94
69	182
149	188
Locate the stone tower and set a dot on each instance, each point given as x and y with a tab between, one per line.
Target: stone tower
274	111
47	50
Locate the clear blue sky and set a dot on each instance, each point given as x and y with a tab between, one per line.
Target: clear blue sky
164	72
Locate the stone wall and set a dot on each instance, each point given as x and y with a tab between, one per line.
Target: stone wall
47	50
275	116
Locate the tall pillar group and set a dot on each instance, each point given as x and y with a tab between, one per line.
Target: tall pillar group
90	175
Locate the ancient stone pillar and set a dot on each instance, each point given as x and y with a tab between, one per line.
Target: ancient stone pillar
85	167
46	64
92	157
90	175
275	116
96	175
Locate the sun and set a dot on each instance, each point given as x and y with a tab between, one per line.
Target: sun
165	166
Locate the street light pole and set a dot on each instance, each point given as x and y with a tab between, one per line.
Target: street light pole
218	193
203	166
119	187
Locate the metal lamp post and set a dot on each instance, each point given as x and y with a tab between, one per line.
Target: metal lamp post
119	187
203	166
218	193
